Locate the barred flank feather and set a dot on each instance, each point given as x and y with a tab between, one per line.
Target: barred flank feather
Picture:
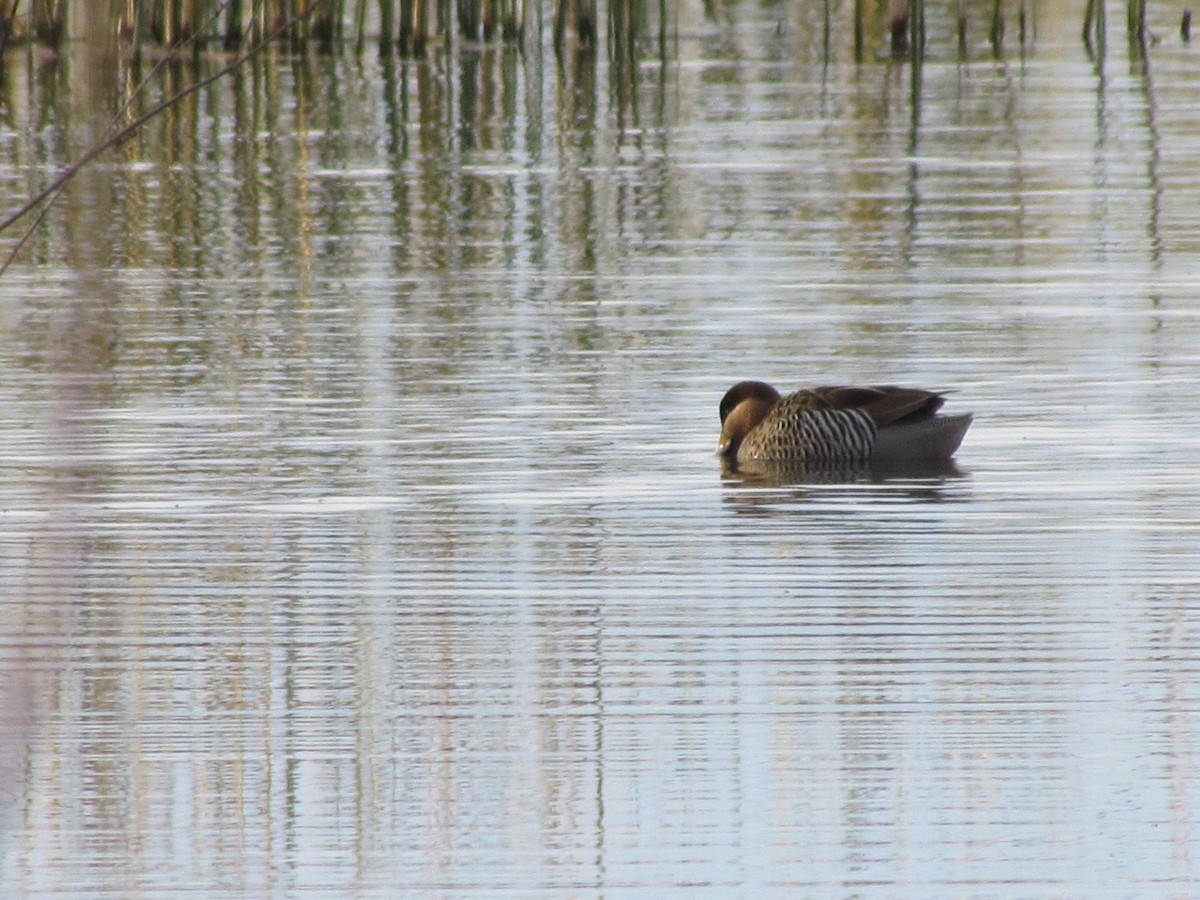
840	435
802	427
818	435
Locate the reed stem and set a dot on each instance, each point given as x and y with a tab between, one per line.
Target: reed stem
406	26
898	15
859	13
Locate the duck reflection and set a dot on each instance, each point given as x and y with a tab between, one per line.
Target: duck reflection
762	485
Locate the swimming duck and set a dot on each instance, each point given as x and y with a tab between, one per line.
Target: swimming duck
837	426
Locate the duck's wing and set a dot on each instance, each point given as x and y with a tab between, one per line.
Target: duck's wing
885	404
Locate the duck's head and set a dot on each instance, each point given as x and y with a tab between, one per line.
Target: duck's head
742	408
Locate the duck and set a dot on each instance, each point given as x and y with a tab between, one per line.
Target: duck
846	425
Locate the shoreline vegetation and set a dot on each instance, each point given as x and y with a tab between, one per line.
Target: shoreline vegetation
155	33
410	27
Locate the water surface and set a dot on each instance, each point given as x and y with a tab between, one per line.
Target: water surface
361	526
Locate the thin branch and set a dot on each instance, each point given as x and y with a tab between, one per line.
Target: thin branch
119	137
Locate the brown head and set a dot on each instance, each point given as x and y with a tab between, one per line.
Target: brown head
743	407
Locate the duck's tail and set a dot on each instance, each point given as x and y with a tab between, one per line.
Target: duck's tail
934	438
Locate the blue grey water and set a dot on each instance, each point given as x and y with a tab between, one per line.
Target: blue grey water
361	531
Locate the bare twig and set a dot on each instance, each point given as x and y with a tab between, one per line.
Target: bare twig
116	138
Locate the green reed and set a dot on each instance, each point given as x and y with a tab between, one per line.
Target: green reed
406	26
409	27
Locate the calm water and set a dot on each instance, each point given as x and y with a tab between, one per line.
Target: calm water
361	528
